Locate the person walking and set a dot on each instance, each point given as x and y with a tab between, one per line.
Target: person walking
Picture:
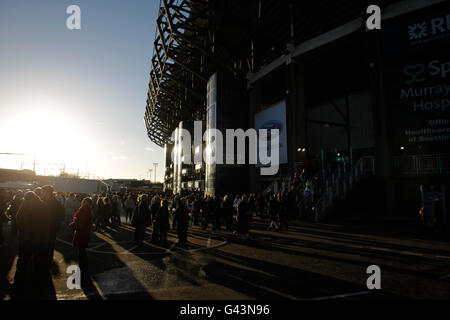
81	228
34	227
107	213
129	207
228	211
3	217
154	207
181	217
14	207
115	209
260	205
70	207
437	210
283	214
196	209
57	217
243	217
161	222
100	214
274	209
141	219
208	213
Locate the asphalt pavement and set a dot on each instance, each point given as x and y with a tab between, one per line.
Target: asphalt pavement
309	261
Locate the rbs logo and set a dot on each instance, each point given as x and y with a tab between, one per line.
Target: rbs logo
425	29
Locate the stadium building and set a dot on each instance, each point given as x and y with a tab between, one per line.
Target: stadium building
370	107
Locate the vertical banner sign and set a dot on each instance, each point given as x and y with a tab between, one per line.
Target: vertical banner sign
273	117
417	78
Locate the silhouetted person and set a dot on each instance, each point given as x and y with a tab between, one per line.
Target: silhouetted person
283	213
57	217
260	205
35	232
181	217
243	217
107	213
3	216
100	217
154	207
197	206
437	210
141	219
161	222
228	211
274	209
129	207
208	213
14	208
81	227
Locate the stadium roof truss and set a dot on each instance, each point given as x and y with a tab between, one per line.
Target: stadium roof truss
196	38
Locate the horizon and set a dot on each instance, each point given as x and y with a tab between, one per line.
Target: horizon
75	99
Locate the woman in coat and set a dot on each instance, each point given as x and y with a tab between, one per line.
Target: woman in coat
81	227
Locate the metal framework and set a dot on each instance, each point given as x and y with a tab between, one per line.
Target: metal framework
178	75
195	38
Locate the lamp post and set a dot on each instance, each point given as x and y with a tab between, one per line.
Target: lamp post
155	164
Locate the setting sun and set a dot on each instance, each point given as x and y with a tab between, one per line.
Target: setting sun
44	130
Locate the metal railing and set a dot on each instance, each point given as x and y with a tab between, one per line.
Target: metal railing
418	165
340	183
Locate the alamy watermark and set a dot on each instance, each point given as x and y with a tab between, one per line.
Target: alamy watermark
372	22
263	147
374	280
73	22
74	280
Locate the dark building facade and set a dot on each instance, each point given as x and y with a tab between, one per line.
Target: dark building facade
335	87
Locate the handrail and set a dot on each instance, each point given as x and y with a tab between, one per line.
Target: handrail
422	164
341	185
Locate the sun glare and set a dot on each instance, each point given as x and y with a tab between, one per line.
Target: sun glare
46	131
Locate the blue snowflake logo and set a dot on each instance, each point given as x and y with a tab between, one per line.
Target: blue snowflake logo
417	31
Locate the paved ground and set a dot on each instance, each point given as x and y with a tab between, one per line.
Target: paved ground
310	261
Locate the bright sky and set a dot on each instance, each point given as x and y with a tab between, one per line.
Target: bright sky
77	96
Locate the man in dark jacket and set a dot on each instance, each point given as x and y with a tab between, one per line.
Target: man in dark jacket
3	217
243	216
154	207
181	217
197	205
228	211
57	217
34	222
161	222
141	219
437	210
208	213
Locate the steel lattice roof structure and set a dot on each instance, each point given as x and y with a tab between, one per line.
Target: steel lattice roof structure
196	38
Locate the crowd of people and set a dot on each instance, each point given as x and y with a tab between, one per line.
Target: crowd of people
36	216
36	219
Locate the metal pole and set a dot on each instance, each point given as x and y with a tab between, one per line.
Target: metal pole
323	164
155	164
